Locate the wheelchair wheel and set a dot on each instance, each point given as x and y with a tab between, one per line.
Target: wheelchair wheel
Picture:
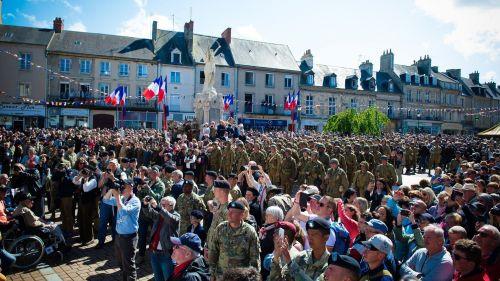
10	236
28	250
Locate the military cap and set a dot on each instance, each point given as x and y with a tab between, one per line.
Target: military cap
286	226
273	188
189	173
197	214
168	168
236	205
133	160
320	145
188	182
383	157
334	161
346	262
221	184
318	223
155	168
232	176
212	174
125	160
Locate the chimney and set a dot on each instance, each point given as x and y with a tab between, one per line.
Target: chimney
227	35
424	65
454	73
492	85
188	35
474	76
154	31
366	69
308	58
435	69
387	61
1	11
58	25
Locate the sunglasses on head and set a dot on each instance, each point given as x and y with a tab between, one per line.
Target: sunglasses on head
372	248
458	257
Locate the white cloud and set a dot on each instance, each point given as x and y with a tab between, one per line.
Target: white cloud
34	21
140	24
10	15
75	8
247	32
78	26
475	28
488	76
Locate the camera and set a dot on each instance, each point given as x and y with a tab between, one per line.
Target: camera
117	185
148	198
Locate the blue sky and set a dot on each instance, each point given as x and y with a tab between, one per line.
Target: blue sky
455	33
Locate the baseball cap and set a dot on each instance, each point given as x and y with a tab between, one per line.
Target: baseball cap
379	242
346	262
468	187
426	216
190	240
378	225
114	161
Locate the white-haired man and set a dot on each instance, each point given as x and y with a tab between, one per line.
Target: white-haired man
433	262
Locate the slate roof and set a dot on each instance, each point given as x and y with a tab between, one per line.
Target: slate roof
443	77
101	45
25	35
223	55
322	70
402	69
382	78
166	42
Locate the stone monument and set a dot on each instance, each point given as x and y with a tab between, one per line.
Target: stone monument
208	105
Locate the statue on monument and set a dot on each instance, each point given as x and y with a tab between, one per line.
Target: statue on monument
208	103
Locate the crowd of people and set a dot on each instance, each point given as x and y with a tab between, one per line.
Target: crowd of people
222	203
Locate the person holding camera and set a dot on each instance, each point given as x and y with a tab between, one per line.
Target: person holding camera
28	181
87	183
107	211
127	223
165	225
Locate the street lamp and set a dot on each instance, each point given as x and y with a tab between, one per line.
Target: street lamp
418	122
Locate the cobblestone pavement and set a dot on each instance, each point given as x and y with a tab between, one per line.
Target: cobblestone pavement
88	263
81	263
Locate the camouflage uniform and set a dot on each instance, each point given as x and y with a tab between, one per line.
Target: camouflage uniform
302	267
361	181
168	182
220	215
336	182
241	157
435	157
324	158
231	248
274	167
186	203
315	171
228	157
370	159
215	159
283	201
157	190
386	172
288	171
301	168
259	157
352	164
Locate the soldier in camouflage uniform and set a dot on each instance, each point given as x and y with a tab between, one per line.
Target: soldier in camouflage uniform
351	162
228	157
316	170
288	171
359	153
235	244
234	190
186	203
376	154
408	155
259	156
241	157
368	156
301	166
384	148
386	171
454	164
362	178
336	181
435	157
322	155
214	157
274	165
337	153
155	188
218	207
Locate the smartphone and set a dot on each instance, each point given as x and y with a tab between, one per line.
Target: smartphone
281	233
405	212
303	200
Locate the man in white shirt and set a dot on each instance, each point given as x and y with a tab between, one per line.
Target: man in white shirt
88	204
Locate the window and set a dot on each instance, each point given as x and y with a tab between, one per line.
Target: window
224	79
408	114
25	61
202	77
123	69
138	94
309	105
462	102
288	81
64	65
249	78
105	68
176	57
142	70
269	100
310	79
332	106
354	104
371	103
269	80
418	96
175	102
248	103
85	66
427	97
103	89
64	90
354	83
390	87
408	96
24	89
333	82
175	77
85	90
390	109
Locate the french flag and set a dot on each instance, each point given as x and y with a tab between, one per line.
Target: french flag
111	98
287	102
162	91
153	89
295	100
228	100
122	95
116	97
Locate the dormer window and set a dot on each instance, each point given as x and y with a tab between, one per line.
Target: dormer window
407	78
372	85
434	81
354	84
310	79
426	80
333	82
176	56
390	86
416	79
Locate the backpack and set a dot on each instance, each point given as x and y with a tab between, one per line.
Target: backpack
342	238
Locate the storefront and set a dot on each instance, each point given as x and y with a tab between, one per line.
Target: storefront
68	117
264	124
426	127
137	119
22	116
452	128
312	124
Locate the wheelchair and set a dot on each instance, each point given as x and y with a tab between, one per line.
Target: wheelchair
29	245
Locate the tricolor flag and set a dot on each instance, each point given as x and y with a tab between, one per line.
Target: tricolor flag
154	89
117	96
295	100
228	100
163	91
287	101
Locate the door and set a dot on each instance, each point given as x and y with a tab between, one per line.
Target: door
103	121
18	125
248	103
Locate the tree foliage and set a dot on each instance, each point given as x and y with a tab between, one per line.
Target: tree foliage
370	121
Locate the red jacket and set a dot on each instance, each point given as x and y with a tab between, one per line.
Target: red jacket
476	275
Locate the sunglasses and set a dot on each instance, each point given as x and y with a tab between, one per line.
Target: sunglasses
323	205
483	234
372	248
457	257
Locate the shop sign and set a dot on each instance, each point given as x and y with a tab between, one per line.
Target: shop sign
74	112
22	109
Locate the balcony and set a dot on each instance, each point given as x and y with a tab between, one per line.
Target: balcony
265	109
87	97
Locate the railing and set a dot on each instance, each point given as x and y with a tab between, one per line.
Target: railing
266	109
99	100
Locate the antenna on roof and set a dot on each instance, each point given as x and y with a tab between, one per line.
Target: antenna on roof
190	13
173	22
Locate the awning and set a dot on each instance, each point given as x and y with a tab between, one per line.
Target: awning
491	132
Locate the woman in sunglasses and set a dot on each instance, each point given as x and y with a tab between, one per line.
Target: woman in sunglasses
467	262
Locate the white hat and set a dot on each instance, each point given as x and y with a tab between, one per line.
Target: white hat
380	242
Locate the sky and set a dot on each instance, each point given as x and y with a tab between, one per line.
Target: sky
461	34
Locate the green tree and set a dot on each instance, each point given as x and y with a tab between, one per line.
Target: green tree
370	121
